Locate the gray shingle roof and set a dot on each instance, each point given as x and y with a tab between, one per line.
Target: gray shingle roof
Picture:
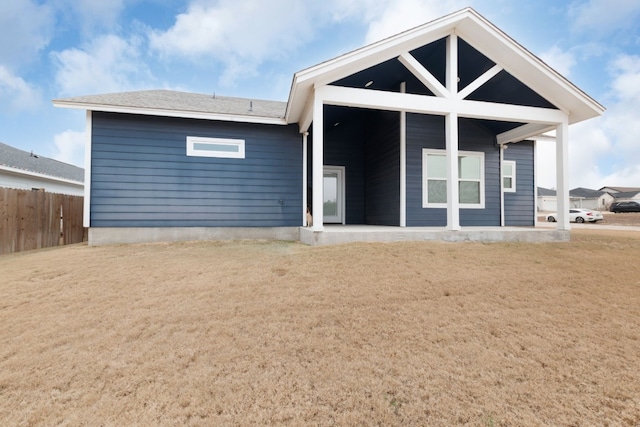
184	102
19	159
586	193
625	194
546	192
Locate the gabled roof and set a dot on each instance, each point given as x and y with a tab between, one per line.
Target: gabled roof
546	192
170	103
15	160
626	194
585	193
620	189
473	29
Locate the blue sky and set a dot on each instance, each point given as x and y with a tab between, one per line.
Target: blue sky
251	48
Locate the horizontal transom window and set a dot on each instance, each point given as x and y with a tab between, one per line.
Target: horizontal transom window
215	147
470	179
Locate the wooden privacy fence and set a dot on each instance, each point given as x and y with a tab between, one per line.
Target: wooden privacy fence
36	219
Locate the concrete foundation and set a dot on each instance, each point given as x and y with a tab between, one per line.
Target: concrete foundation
111	236
364	233
332	234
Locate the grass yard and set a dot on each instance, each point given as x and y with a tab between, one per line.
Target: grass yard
272	333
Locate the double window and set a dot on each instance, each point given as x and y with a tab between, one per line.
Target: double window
470	179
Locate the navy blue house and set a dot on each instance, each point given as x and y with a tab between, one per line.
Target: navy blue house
427	134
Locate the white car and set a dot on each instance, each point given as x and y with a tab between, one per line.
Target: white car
579	215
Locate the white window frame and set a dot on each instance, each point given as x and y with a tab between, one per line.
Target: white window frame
425	188
511	189
193	150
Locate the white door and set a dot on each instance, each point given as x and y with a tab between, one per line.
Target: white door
333	197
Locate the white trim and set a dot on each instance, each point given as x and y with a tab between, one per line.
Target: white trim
24	172
413	103
425	191
523	132
88	136
512	163
403	163
169	113
501	159
305	177
451	72
474	85
422	74
562	176
237	146
317	154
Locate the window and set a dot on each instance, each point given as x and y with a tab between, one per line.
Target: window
509	176
215	147
470	179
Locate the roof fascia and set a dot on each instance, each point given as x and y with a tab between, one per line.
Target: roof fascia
17	171
168	113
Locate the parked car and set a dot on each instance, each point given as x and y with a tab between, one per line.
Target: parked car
625	207
579	215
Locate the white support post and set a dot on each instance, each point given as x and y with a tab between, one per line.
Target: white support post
502	148
453	203
317	163
86	216
403	162
562	174
305	178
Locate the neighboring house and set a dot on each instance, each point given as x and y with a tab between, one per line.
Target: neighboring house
590	199
409	132
24	170
613	190
547	200
626	196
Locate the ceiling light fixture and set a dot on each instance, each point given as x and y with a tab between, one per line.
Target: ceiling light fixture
369	83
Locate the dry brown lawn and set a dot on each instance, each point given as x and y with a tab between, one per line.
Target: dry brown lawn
273	333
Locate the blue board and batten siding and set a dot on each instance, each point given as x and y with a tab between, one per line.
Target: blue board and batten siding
426	131
142	177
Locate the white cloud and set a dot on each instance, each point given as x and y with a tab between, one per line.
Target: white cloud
93	15
27	28
559	60
604	151
108	64
70	147
239	33
16	94
396	16
600	17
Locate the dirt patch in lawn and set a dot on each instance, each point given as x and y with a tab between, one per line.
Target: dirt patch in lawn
264	333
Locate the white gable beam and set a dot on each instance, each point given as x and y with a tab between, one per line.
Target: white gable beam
412	103
307	116
427	79
474	85
451	73
523	132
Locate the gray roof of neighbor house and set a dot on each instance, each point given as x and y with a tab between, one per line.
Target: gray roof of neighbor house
546	192
18	159
586	193
179	102
625	194
623	189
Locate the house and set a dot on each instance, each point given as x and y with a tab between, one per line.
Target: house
428	131
626	196
26	170
590	199
547	200
613	190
